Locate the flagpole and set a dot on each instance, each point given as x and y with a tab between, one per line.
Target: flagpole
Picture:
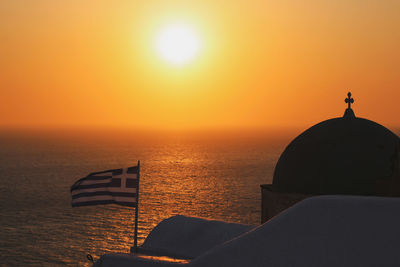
136	211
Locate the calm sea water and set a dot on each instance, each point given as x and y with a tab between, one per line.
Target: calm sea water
214	176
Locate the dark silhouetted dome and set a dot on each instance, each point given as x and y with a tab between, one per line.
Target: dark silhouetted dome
346	155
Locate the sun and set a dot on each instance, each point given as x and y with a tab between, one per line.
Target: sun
178	44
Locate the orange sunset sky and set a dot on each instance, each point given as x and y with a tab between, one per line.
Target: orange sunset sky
259	63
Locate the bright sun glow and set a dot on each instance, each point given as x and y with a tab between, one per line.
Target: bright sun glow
177	44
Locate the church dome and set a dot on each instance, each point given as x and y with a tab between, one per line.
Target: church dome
345	155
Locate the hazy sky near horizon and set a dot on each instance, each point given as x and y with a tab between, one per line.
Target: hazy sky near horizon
260	63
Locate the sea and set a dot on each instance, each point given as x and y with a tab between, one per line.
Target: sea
214	175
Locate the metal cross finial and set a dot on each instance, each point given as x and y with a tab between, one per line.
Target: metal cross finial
349	100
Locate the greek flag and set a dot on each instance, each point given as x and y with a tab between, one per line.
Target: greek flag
119	186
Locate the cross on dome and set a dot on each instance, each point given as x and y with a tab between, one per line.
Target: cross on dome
349	100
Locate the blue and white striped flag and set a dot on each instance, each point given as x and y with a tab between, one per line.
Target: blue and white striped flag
118	186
